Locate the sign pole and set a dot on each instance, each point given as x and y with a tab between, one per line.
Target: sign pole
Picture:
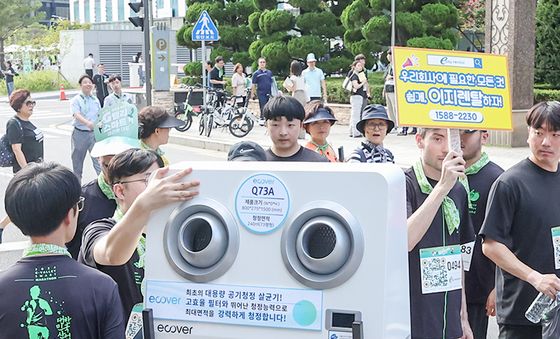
147	56
204	77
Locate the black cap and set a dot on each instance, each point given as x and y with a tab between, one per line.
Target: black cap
246	151
320	114
374	112
170	122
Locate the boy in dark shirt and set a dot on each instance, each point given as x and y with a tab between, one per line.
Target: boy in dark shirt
479	279
284	120
438	225
47	294
520	231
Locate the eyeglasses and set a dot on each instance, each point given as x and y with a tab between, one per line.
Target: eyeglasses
146	179
80	204
30	103
376	126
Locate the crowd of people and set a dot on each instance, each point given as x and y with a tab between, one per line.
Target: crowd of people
457	202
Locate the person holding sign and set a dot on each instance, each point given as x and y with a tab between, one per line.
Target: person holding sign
521	229
479	279
117	245
438	224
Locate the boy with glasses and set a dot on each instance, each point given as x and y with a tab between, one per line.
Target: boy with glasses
116	245
47	294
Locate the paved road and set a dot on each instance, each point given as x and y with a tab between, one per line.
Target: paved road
53	117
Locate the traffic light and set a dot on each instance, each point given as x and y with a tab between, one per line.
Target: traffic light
137	7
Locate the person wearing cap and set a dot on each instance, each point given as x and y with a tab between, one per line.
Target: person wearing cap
375	125
438	224
99	199
85	109
314	80
155	124
246	151
479	279
284	116
117	95
318	121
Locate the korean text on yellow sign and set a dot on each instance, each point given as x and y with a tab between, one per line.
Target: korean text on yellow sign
448	89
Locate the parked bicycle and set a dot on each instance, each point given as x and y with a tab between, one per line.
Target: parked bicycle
218	112
243	120
187	110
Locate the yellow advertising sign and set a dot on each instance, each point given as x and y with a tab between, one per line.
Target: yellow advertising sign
450	89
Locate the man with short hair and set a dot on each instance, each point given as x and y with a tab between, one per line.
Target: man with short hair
217	79
520	232
479	279
117	245
314	80
100	81
85	110
284	119
438	224
207	70
262	83
117	95
89	63
47	294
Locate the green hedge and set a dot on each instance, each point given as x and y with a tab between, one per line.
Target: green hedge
546	94
38	81
337	94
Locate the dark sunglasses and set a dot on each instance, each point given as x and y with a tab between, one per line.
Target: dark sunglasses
30	103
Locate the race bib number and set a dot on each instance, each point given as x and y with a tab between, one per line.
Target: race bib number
466	254
556	245
441	269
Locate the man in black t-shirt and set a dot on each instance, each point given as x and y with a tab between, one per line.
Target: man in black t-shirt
100	81
438	225
217	79
521	229
47	294
99	199
117	245
284	120
479	279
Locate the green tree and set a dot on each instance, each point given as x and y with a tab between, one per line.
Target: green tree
418	23
547	49
16	14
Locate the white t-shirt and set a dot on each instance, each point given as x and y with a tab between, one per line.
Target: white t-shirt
238	83
89	62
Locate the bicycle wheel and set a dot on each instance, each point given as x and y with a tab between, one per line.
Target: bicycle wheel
240	125
209	125
186	118
202	123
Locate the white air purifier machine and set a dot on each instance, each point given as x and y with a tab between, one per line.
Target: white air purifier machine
273	250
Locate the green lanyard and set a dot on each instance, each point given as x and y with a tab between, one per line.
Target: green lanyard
322	148
450	211
105	187
43	249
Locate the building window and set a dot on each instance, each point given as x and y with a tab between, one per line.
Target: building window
108	10
174	8
87	17
159	4
121	10
98	11
76	11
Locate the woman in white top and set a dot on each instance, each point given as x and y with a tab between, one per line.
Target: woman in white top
238	82
296	84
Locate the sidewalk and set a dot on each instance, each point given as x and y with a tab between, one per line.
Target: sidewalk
403	147
48	95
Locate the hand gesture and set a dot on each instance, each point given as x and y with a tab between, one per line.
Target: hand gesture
452	167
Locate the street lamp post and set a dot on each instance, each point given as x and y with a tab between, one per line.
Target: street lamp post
392	23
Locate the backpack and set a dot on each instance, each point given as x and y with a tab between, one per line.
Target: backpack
7	157
347	84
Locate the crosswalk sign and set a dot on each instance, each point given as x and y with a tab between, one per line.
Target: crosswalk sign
204	29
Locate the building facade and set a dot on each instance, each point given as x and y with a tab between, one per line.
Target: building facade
101	11
54	9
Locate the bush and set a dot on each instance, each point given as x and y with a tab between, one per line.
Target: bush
337	94
546	95
38	81
193	68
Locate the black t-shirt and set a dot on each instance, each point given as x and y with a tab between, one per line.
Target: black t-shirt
479	280
360	91
520	214
96	206
303	154
101	86
56	297
128	276
217	74
29	136
428	310
10	77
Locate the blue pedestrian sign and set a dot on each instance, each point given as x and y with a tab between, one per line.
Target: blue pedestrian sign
204	29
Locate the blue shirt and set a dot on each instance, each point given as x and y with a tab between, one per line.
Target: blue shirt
313	80
87	106
113	98
263	80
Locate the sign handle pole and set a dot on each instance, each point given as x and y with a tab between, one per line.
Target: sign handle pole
454	140
147	54
204	78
